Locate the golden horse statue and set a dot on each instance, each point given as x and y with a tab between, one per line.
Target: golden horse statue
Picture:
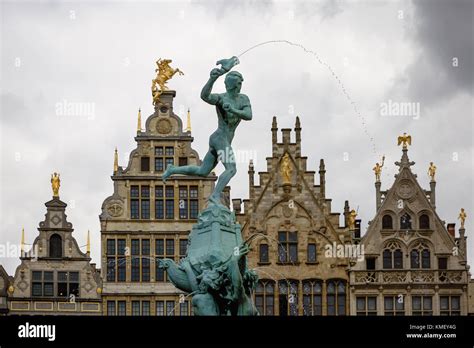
164	73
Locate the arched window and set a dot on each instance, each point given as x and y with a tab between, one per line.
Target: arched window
424	222
263	253
336	297
415	259
405	222
387	259
397	259
387	223
312	297
392	256
55	246
288	297
425	258
420	256
265	297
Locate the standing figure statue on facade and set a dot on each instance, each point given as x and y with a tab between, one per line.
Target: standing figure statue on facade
231	108
214	270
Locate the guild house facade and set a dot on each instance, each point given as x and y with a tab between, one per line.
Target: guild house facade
145	219
414	264
291	223
55	276
409	262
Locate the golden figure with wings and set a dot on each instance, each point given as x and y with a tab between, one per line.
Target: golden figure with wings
164	73
404	139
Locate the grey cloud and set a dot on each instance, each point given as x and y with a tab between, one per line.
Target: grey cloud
442	31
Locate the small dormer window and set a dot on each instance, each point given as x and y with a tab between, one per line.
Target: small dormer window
387	223
405	222
424	222
55	246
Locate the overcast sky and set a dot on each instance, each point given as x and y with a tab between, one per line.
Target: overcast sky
101	55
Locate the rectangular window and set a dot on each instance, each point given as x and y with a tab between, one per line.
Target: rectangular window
168	161
188	202
159	151
287	247
145	308
68	284
394	305
160	308
183	161
110	246
135	270
134	208
160	254
370	263
366	305
145	208
450	305
111	308
42	283
159	203
121	260
145	164
115	264
422	305
159	164
183	202
145	247
122	308
140	202
311	252
170	307
111	270
184	308
263	253
135	260
135	247
169	151
443	263
193	209
169	202
37	289
170	247
135	307
159	209
183	248
145	269
134	191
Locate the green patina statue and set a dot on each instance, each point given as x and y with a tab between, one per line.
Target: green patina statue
214	270
231	107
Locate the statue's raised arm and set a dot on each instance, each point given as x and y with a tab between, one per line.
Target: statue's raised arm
226	65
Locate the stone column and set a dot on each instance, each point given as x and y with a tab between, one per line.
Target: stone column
433	193
378	195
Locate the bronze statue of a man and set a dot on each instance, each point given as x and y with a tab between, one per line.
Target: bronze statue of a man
231	107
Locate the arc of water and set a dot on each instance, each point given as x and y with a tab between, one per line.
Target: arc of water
341	85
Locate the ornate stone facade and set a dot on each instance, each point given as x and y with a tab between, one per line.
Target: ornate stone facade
292	225
55	276
4	284
414	264
145	219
